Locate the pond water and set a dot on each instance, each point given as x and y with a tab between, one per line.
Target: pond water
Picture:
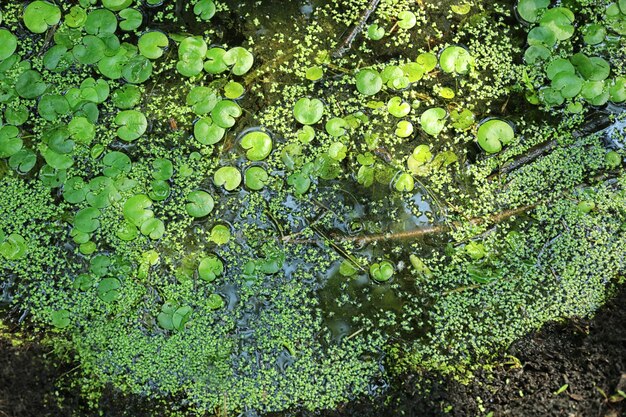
368	229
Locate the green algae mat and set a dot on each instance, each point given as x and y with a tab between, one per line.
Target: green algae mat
230	206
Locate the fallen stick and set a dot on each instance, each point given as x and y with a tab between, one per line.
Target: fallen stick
346	44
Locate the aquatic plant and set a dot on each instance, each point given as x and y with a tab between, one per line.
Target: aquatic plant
175	204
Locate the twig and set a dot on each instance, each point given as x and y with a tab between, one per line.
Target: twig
592	126
346	44
419	232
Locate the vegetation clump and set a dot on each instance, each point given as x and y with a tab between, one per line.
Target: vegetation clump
276	220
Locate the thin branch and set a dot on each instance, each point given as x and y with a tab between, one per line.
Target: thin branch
346	44
419	232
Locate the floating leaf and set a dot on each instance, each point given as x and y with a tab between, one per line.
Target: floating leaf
225	113
239	59
8	44
255	178
116	5
229	177
30	85
10	142
191	53
308	111
131	19
368	82
215	61
220	234
13	247
529	10
404	182
258	145
207	132
136	209
215	302
151	44
375	32
456	60
382	271
100	22
210	268
133	125
39	15
60	318
108	289
404	129
433	120
202	100
406	19
200	203
204	9
494	133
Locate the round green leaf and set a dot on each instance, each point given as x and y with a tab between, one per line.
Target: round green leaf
308	111
13	247
200	203
258	145
108	289
494	133
39	15
8	44
132	124
210	268
456	60
229	177
239	59
382	272
225	113
10	142
255	178
433	120
151	44
368	82
206	132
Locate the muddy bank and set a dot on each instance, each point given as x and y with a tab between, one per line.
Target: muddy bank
587	355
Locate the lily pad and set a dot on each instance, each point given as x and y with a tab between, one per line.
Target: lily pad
308	111
206	132
381	272
8	44
200	203
108	289
151	44
10	141
433	120
225	113
258	145
13	247
204	9
494	133
368	82
529	10
456	60
39	15
202	99
133	125
210	268
239	59
255	178
215	61
229	177
136	209
60	318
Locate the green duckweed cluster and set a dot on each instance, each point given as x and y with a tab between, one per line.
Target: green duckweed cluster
279	219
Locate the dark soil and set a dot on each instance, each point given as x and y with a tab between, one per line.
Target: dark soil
587	355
